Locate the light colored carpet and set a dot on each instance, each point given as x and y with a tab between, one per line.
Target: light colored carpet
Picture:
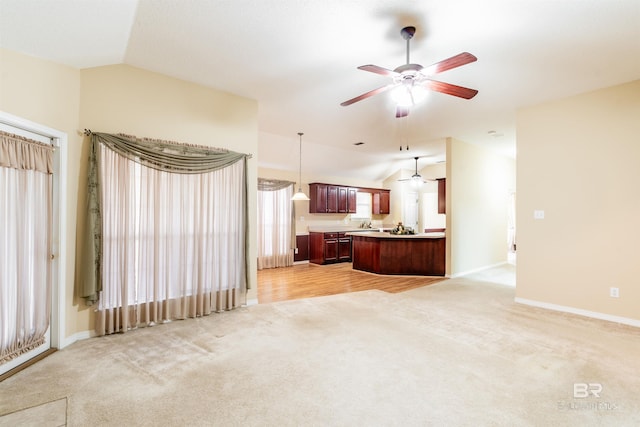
50	414
457	353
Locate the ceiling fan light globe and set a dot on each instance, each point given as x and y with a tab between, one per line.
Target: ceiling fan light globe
409	95
402	96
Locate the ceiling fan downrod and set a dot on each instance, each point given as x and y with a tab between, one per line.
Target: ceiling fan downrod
407	34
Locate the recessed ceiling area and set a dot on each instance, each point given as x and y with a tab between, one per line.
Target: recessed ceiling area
299	61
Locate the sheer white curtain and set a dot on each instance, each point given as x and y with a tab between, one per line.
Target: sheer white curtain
173	244
275	212
25	244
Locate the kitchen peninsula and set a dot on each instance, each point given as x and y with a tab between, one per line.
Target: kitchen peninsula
331	244
384	253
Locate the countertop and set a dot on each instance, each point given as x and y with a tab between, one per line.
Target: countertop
385	235
345	229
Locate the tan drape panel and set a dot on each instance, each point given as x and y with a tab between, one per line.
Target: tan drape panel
148	314
25	244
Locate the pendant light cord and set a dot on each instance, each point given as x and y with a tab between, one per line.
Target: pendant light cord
300	164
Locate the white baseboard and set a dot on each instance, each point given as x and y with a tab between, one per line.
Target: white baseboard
477	270
580	312
252	301
76	337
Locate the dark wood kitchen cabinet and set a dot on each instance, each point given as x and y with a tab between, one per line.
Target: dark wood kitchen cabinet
302	248
344	248
332	199
442	195
347	199
318	198
326	248
328	198
381	202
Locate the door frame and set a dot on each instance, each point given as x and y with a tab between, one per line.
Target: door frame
59	232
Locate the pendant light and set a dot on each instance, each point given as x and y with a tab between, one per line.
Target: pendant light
300	195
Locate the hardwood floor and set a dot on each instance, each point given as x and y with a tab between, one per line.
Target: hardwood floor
312	280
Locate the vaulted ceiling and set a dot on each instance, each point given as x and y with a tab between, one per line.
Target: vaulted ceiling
299	59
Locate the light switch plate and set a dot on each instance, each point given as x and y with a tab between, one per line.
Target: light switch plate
538	214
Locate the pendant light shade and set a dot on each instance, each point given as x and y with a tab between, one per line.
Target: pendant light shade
299	194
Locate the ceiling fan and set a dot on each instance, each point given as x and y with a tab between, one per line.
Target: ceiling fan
416	78
416	177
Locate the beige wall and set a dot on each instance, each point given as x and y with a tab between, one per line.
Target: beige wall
579	161
49	94
478	186
397	195
122	99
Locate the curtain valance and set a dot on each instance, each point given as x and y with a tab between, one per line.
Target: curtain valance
265	184
17	152
168	156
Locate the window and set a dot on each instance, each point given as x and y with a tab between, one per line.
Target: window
363	206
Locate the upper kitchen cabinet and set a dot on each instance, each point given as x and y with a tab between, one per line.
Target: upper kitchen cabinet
328	198
442	195
331	198
318	198
347	199
381	202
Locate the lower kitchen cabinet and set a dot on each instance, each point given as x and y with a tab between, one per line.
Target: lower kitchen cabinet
344	248
302	248
325	248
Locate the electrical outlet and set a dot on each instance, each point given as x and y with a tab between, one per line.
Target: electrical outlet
614	292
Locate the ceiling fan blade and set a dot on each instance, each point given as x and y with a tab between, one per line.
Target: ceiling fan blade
449	89
401	111
377	70
447	64
367	94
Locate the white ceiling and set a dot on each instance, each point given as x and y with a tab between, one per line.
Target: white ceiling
298	58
